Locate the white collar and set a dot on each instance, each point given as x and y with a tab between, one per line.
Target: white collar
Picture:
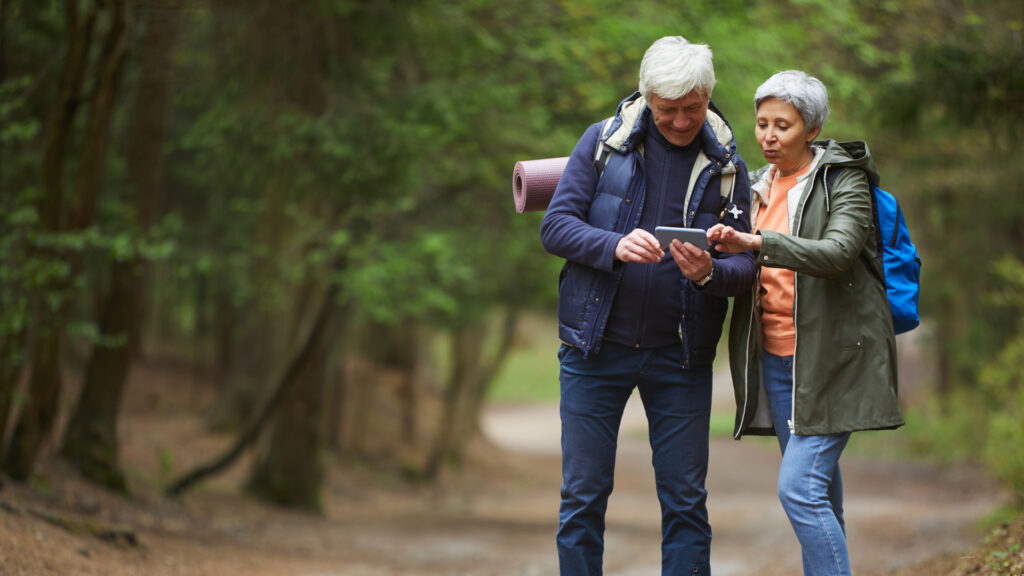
764	184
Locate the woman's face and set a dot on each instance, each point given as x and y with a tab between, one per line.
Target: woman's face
781	133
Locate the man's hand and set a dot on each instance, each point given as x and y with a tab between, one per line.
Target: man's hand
729	240
639	246
693	262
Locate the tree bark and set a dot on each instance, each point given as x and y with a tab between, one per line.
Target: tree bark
478	392
10	370
289	469
466	390
466	343
289	380
91	441
110	69
337	386
36	422
62	113
36	418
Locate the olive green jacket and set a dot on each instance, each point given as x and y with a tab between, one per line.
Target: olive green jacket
844	369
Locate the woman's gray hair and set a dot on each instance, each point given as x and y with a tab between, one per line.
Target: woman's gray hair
673	67
806	93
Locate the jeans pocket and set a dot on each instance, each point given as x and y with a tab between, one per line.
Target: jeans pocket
563	350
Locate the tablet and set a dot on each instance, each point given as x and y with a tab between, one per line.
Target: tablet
695	236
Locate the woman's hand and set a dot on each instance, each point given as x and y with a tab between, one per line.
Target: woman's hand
727	239
639	246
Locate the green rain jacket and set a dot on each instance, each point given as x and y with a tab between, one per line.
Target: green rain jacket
844	369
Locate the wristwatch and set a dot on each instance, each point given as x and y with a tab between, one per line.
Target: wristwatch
703	281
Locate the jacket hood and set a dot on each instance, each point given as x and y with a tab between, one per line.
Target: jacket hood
853	154
827	154
627	129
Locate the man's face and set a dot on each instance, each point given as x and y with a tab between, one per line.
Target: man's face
679	120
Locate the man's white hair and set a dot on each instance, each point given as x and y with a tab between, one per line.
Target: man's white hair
673	67
806	93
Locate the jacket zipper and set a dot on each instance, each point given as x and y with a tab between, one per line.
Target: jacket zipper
796	296
649	270
754	207
796	342
746	357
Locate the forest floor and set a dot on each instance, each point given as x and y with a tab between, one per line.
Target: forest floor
495	517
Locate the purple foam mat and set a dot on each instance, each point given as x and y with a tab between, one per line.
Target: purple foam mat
534	182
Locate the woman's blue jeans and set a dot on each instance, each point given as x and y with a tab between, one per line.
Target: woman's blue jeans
810	485
678	405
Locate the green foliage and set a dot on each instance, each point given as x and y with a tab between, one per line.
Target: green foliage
971	77
946	110
412	154
19	271
370	145
984	423
948	428
1002	382
422	277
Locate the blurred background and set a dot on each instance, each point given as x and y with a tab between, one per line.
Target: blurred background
291	223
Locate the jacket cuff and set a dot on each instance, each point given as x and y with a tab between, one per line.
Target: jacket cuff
611	264
767	255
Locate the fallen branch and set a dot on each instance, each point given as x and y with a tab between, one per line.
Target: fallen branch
117	535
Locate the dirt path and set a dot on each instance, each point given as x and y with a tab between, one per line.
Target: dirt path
497	520
898	513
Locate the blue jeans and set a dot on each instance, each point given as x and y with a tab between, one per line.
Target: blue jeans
810	485
678	406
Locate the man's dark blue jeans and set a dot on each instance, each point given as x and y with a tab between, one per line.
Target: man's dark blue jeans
678	405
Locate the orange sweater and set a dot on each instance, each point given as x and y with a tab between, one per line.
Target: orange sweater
778	284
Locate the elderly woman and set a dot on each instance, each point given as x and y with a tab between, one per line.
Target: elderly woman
812	347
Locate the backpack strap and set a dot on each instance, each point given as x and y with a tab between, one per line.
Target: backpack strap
831	173
601	151
728	181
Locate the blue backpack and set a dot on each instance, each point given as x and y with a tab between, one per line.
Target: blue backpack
900	262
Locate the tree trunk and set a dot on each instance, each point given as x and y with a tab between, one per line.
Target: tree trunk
36	419
91	441
62	113
289	469
4	6
396	346
478	392
11	347
110	69
464	395
337	385
466	343
405	359
290	379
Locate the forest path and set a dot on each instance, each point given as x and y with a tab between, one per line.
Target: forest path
496	518
898	512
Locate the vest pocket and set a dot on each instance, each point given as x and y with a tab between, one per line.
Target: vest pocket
604	212
576	294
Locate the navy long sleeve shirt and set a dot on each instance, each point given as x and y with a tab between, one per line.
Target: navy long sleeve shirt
646	309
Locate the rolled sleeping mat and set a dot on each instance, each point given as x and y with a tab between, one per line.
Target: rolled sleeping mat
534	182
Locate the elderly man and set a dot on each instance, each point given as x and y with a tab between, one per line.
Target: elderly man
632	316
